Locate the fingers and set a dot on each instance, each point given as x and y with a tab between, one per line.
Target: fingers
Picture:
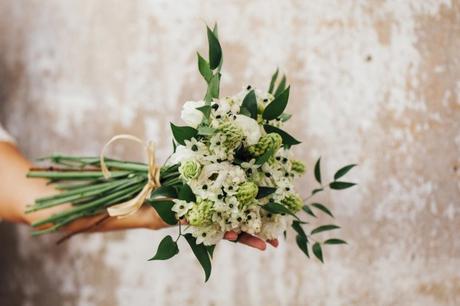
231	235
273	242
252	241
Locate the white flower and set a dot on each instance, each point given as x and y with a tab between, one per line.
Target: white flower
182	153
190	114
181	207
208	235
250	127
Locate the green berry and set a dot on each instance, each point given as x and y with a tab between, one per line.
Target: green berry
298	167
293	202
233	135
201	213
266	142
247	192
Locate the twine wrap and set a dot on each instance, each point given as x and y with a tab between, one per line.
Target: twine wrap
132	206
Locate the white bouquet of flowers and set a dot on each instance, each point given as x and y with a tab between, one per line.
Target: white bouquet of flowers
232	169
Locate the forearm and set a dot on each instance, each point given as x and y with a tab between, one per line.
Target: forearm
17	191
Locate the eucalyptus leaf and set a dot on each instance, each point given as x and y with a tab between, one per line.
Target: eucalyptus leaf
264	191
203	67
213	88
215	50
186	194
316	190
273	81
302	243
206	110
281	86
284	117
276	208
322	208
318	251
164	210
342	171
277	106
166	249
324	228
210	249
250	103
164	191
288	140
335	241
297	226
308	210
201	253
183	133
341	185
318	170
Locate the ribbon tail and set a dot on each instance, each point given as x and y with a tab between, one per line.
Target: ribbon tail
130	207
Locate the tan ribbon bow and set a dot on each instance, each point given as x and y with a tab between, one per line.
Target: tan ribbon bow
130	207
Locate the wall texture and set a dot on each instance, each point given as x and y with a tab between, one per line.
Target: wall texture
373	82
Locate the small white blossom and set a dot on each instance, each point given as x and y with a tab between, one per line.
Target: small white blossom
181	207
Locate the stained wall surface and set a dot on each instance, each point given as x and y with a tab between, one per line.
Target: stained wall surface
373	82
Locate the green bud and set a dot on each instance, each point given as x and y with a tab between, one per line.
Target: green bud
298	167
266	142
190	169
247	192
201	213
233	135
293	202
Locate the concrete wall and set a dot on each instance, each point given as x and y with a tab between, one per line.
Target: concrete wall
373	82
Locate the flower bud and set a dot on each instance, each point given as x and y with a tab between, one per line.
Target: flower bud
201	213
247	192
293	202
298	167
233	135
190	169
266	142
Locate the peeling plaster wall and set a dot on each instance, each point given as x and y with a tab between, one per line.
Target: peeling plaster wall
373	82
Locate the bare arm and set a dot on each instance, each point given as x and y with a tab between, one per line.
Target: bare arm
17	191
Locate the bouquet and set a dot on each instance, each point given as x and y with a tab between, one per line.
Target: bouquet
232	168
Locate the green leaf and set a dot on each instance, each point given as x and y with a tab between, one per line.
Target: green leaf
265	191
164	191
250	103
318	251
210	249
273	80
245	111
308	210
215	50
341	185
288	140
264	157
335	241
324	228
206	131
215	30
297	226
342	171
277	106
206	110
284	117
322	208
302	243
203	67
213	88
201	253
276	208
167	249
317	190
186	194
183	133
281	86
164	210
318	170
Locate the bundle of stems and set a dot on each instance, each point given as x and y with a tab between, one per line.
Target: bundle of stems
81	184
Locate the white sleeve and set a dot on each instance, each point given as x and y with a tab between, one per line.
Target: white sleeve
4	136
